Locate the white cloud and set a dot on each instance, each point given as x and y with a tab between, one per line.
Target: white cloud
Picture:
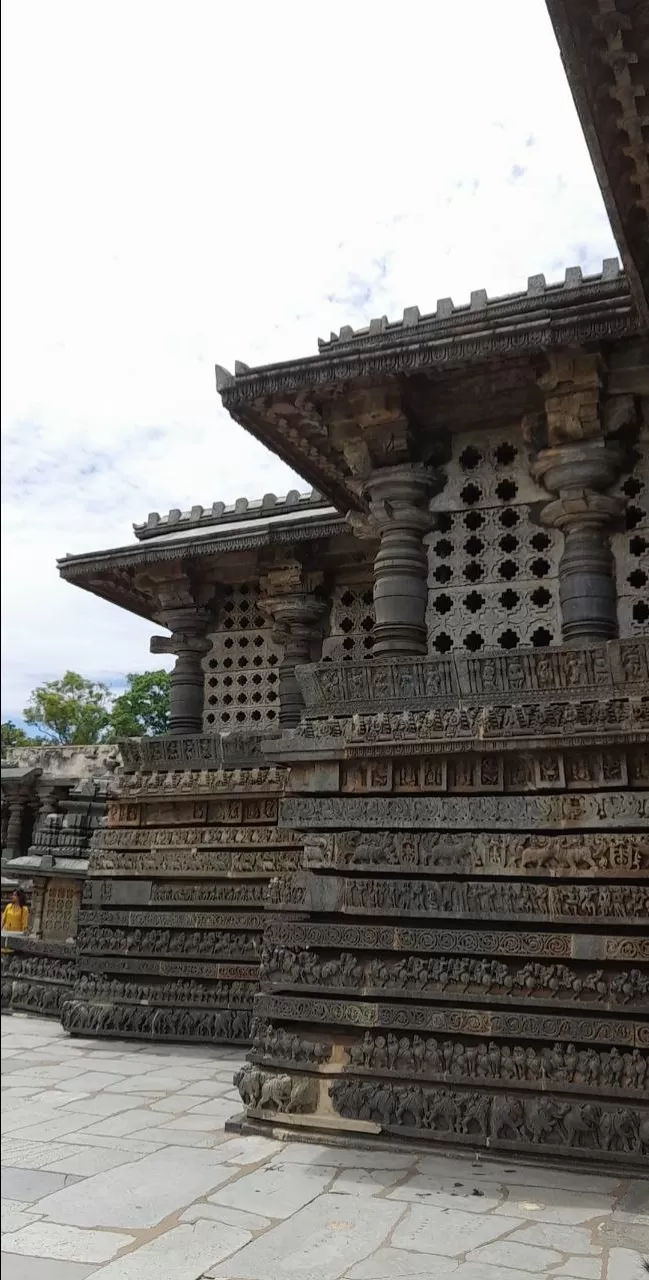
186	183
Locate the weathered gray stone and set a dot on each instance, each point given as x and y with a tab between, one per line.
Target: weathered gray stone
388	1263
29	1185
276	1191
507	1253
140	1194
319	1243
183	1253
450	1232
49	1240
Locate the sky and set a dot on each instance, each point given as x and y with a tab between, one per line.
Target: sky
186	182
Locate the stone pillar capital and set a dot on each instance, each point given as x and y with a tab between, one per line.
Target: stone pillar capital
590	464
297	617
293	614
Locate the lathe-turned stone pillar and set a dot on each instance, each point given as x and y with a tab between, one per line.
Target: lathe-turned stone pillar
17	804
399	500
188	626
297	615
578	474
577	464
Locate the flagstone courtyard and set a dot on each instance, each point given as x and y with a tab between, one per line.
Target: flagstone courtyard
115	1164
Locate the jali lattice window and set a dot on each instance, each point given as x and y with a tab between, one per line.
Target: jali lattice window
493	573
631	545
351	624
242	668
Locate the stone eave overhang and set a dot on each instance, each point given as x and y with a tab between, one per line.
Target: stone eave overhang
279	403
605	51
111	574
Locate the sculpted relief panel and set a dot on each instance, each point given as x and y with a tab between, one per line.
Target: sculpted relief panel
171	929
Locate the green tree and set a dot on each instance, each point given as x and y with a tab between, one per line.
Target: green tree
71	710
12	736
142	710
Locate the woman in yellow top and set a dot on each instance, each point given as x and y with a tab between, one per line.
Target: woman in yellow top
15	916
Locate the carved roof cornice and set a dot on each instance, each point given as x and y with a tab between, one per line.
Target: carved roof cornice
112	574
299	409
219	514
604	46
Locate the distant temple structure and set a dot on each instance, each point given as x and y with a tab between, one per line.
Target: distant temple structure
401	816
53	799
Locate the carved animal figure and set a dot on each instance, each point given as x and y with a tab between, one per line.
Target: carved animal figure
581	1123
276	1090
506	1118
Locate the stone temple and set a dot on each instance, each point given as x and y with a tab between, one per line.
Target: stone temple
397	839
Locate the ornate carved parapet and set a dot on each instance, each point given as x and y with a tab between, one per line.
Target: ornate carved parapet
398	499
578	475
188	641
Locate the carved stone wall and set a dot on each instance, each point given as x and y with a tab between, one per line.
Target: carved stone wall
463	956
38	975
493	570
170	930
38	972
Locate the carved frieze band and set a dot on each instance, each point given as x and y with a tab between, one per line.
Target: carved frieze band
447	977
187	994
163	920
144	966
181	837
153	942
193	862
147	786
463	1021
447	730
594	809
200	751
42	968
479	854
492	675
179	812
493	728
479	900
469	942
520	1066
514	771
161	1023
541	1125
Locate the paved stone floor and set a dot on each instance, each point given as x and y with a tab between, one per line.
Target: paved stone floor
116	1165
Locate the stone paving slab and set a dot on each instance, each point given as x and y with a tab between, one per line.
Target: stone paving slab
116	1165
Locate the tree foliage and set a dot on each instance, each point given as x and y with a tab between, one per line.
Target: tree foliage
12	736
143	709
75	711
71	710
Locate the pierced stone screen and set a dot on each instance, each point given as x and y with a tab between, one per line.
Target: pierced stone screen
351	624
493	571
631	545
242	667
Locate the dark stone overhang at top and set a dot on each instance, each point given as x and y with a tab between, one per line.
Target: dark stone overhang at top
130	576
604	46
413	377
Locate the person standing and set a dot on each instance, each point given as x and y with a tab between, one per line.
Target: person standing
15	916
